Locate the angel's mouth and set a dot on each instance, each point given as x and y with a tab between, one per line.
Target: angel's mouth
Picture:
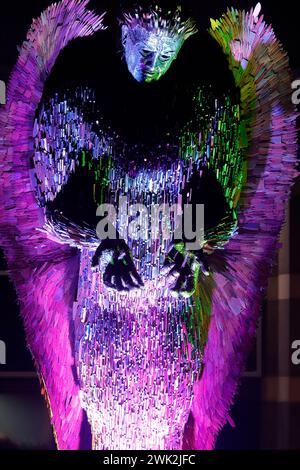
147	74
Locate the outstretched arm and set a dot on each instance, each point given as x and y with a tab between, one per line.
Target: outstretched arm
45	273
261	71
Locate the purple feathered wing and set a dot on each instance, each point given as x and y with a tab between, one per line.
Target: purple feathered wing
45	273
261	71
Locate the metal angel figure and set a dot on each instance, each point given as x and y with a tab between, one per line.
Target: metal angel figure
139	338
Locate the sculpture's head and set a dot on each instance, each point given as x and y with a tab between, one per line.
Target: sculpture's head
152	41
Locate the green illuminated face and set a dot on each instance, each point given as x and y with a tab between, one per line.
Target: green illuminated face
149	54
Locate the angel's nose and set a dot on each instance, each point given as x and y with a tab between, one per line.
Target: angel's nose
151	60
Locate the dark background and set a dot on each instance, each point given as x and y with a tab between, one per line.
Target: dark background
267	409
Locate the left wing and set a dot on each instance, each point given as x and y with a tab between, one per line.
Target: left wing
44	272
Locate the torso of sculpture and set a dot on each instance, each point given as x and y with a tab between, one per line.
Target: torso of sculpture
138	353
134	358
135	364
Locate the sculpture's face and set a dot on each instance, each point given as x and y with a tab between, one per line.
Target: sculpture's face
152	41
149	54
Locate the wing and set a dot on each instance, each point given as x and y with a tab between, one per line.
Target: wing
45	273
261	71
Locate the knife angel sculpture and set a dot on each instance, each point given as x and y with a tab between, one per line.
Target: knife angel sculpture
139	341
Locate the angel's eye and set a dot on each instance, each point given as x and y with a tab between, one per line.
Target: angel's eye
165	57
146	53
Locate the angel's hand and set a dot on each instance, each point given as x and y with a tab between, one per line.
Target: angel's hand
181	269
114	260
